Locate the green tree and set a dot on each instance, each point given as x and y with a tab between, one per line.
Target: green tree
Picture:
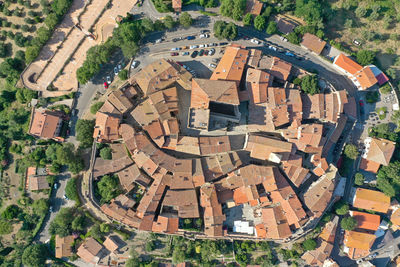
78	223
77	165
84	132
65	153
341	208
293	38
51	20
259	23
309	244
123	74
185	20
31	53
272	27
351	151
359	179
105	228
361	11
40	206
71	190
5	227
42	35
247	19
62	223
108	188
348	223
35	255
392	73
388	178
96	232
169	22
309	84
365	57
147	25
11	212
95	107
60	7
105	153
310	11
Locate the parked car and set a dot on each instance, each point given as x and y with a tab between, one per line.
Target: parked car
280	50
201	52
74	112
159	41
194	54
289	54
55	185
105	85
194	46
134	64
272	47
175	40
204	35
65	197
361	103
255	41
298	57
185	53
119	67
213	44
190	37
51	209
223	43
211	52
204	31
356	42
175	49
201	46
212	65
174	54
115	71
108	79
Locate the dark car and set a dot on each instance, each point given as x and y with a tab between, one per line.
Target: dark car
194	54
190	37
201	52
223	43
206	52
174	54
204	31
175	40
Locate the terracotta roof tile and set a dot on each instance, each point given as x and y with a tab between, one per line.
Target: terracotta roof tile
254	7
380	151
366	221
313	43
185	201
166	223
366	78
45	123
89	250
119	100
371	200
347	64
266	148
232	64
107	127
257	83
111	243
280	69
275	223
359	240
63	246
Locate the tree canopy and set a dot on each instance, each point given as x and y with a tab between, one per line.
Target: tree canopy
348	223
185	20
309	244
388	179
225	30
359	179
341	208
105	153
84	132
309	84
259	23
365	57
108	188
95	107
35	255
233	8
351	151
62	223
272	27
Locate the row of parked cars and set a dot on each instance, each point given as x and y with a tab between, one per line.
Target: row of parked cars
203	52
269	45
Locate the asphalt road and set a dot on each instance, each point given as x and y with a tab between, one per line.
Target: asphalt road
56	202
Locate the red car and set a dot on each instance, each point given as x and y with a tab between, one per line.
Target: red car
174	54
361	103
105	85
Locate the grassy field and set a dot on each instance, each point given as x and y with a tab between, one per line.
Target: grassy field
23	18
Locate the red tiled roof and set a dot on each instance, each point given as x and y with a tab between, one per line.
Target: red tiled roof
347	64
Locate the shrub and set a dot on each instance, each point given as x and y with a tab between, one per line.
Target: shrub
359	179
351	151
309	84
348	223
341	208
366	57
309	244
105	153
123	74
95	107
